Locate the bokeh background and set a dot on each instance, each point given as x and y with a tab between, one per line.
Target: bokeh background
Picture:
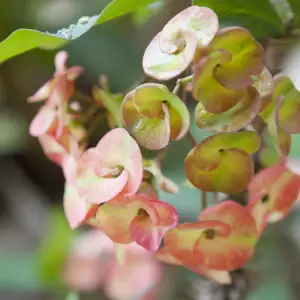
34	236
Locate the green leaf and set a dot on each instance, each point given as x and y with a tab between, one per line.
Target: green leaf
23	40
295	6
259	16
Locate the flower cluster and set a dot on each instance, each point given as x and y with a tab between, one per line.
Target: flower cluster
113	189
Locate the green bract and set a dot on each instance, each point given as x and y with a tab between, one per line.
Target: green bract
246	57
288	98
173	49
154	116
222	162
233	119
206	88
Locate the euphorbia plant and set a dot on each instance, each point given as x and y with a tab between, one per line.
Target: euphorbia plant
111	186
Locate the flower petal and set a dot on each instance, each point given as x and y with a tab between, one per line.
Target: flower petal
98	190
233	119
221	162
74	72
118	148
125	281
201	20
61	60
42	93
180	241
206	88
74	206
247	57
165	65
232	251
42	121
149	235
115	217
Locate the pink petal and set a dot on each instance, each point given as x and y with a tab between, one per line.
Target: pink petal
145	234
149	234
61	91
61	61
118	148
53	149
74	72
70	167
42	121
87	266
134	278
42	93
99	190
74	206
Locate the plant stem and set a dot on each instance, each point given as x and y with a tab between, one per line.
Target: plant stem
182	82
215	197
203	200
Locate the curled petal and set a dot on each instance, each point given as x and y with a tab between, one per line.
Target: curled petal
97	189
227	252
43	120
169	62
233	119
272	192
153	134
118	148
289	97
137	218
206	89
247	57
222	162
42	93
201	20
180	241
154	116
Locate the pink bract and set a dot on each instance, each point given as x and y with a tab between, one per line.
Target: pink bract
91	264
114	166
56	93
137	218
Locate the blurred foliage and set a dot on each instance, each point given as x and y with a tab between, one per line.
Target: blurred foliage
23	40
295	6
115	49
54	248
259	16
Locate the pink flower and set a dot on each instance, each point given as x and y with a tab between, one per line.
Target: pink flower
98	175
59	147
137	219
91	264
56	93
272	192
114	166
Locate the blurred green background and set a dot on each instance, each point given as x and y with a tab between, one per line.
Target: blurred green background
34	236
